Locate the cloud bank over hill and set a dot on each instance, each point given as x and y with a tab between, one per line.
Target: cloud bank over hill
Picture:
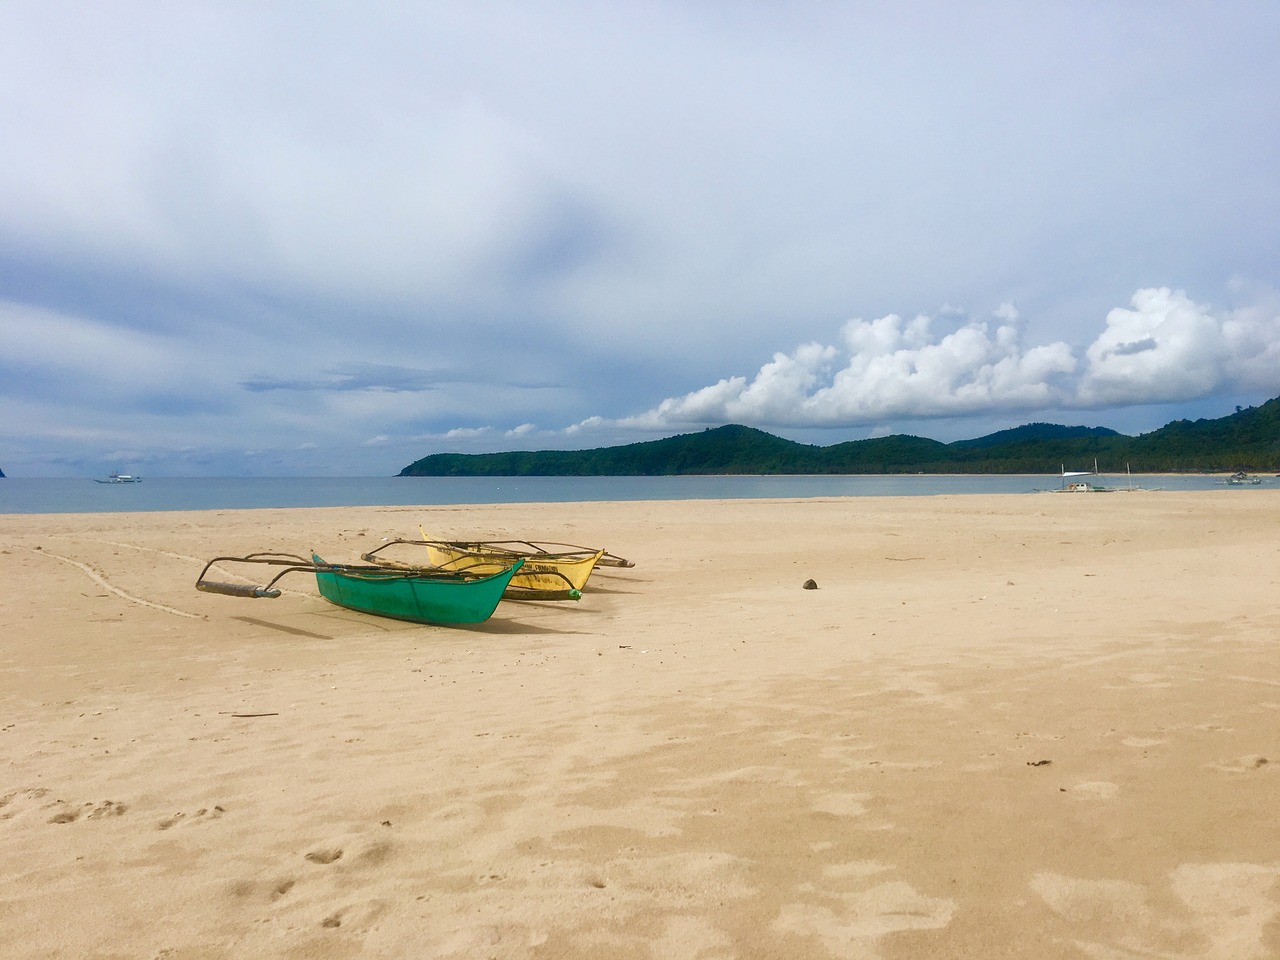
1163	348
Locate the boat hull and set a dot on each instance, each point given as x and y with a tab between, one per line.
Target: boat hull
418	599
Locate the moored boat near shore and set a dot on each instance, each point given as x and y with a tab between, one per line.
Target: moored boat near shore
533	549
542	576
1241	479
418	595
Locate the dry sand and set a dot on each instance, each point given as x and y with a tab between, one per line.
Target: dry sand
1003	726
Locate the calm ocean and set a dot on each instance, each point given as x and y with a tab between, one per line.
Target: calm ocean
63	495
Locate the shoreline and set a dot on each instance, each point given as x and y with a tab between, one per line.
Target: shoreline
1001	726
634	476
61	496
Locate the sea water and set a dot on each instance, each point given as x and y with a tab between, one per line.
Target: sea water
76	495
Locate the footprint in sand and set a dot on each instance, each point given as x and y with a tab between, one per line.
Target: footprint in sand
107	808
14	803
66	813
324	855
356	853
375	854
201	815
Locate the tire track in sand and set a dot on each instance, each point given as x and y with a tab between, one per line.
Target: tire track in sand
129	546
102	581
180	556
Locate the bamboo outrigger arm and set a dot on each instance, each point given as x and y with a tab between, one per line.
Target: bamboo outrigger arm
291	563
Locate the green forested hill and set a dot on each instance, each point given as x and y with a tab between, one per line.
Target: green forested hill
1246	440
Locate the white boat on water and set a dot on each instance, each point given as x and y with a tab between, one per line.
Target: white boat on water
1240	478
1071	483
119	478
1082	486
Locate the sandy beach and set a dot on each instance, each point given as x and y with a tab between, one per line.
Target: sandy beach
1003	726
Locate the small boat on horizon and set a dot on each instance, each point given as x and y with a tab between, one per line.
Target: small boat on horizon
119	478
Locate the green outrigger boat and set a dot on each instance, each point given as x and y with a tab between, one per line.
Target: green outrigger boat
420	595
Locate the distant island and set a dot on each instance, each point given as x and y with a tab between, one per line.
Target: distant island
1247	440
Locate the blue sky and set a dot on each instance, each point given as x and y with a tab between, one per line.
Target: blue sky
310	239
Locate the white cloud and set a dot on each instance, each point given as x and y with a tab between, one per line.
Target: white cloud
882	368
1165	349
898	369
467	433
1168	348
595	423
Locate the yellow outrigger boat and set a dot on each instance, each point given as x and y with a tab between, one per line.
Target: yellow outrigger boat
545	577
532	550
